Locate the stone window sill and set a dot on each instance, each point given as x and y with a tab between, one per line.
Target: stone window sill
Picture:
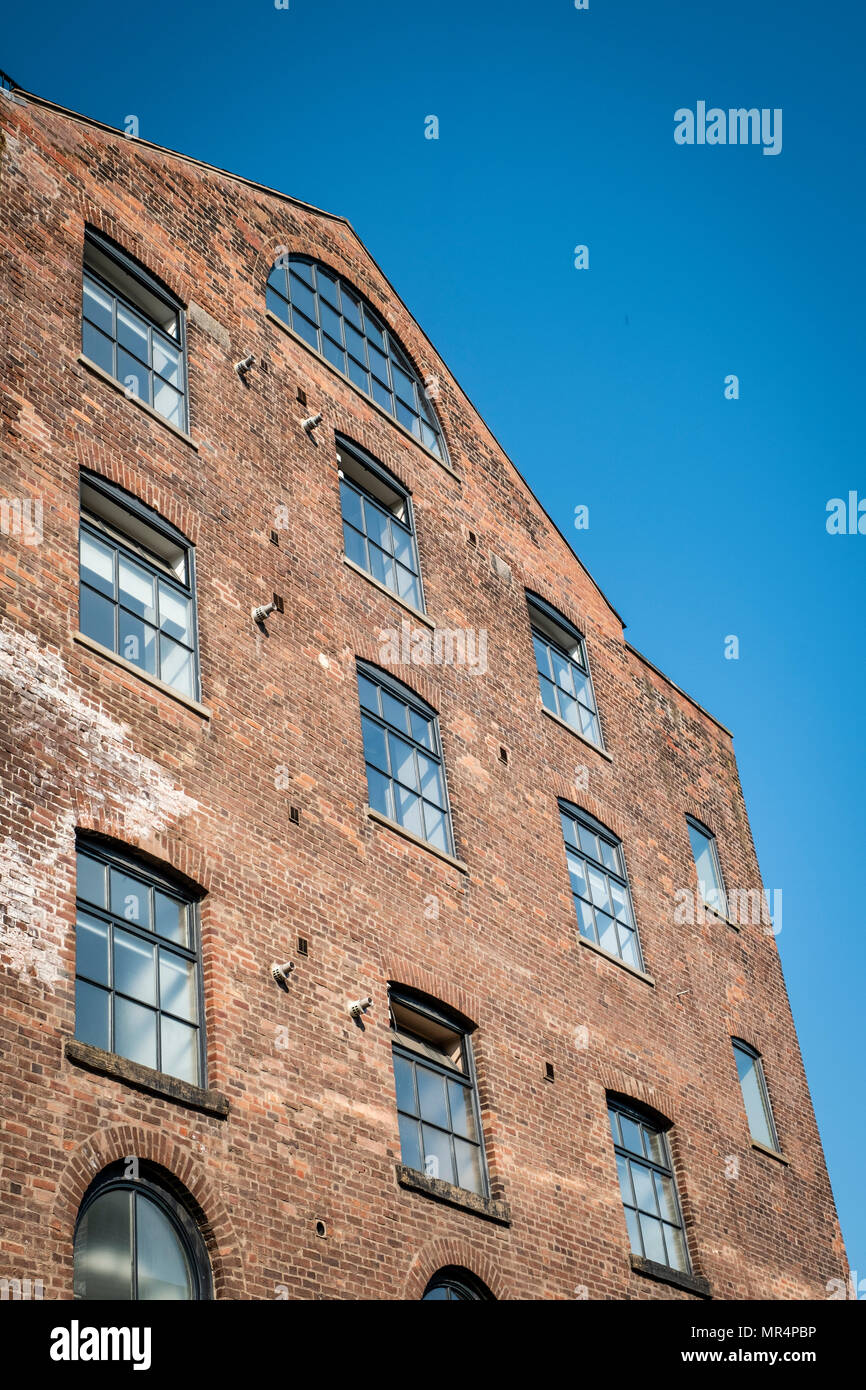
416	840
364	397
146	1079
770	1153
602	752
719	917
84	641
616	960
485	1207
383	589
96	370
692	1283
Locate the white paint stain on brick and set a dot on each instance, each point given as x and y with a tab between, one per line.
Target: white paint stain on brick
46	715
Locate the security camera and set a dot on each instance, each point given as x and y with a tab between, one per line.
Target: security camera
245	364
311	422
359	1007
281	973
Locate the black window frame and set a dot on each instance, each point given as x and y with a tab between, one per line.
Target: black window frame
436	754
694	823
740	1045
127	266
147	1184
461	1285
113	857
567	632
278	298
595	827
444	1017
137	552
660	1127
366	463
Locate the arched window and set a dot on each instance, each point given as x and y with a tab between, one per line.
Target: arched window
334	320
649	1192
453	1285
135	1241
756	1099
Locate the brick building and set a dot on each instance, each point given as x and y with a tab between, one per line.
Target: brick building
436	777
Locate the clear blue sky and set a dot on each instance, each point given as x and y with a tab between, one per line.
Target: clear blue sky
707	516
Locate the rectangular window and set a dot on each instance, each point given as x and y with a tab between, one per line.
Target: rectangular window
134	329
649	1192
707	864
437	1102
405	771
563	670
378	527
136	593
756	1099
599	885
137	965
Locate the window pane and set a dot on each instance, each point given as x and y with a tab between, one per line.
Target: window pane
277	304
97	618
97	564
644	1191
175	613
136	589
633	1231
394	711
705	862
91	1015
334	353
176	666
330	321
90	880
588	842
163	1271
375	750
179	1050
136	641
354	341
431	780
132	333
350	502
302	268
306	330
630	1135
410	1143
462	1110
598	889
577	874
562	673
97	347
421	728
403	762
359	376
404	1084
382	396
431	1096
168	402
91	948
381	566
607	937
654	1246
177	985
676	1247
98	306
654	1145
666	1199
409	811
356	546
436	828
408	587
369	693
170	918
134	967
326	285
166	360
103	1249
624	1179
468	1166
379	792
437	1154
302	297
377	527
130	898
135	1032
135	377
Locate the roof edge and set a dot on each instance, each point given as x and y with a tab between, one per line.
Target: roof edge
678	688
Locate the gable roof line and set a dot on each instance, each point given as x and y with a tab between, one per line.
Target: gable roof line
15	91
333	217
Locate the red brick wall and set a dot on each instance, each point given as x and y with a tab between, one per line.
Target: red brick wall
312	1131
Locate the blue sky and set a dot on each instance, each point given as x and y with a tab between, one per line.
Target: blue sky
707	516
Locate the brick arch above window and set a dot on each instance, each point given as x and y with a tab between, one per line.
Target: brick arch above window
183	1174
443	1253
655	1097
441	988
95	457
167	852
143	249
